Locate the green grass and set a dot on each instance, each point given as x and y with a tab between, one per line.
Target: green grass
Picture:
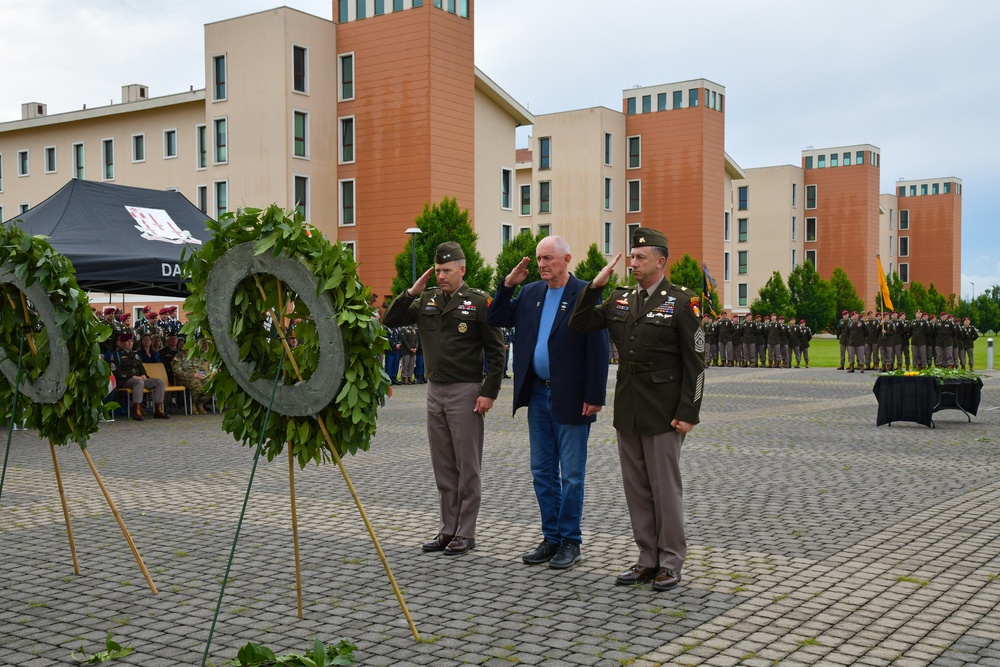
825	352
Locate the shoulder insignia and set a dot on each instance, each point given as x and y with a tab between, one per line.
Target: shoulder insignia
695	306
684	290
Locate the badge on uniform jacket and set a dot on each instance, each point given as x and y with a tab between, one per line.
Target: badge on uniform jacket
462	327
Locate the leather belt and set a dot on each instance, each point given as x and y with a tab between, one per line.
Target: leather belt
547	383
646	366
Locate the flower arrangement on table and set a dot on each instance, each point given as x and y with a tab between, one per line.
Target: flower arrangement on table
939	374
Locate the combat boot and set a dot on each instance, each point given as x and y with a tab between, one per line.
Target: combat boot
137	413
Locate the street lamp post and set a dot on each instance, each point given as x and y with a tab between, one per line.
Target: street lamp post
973	290
413	231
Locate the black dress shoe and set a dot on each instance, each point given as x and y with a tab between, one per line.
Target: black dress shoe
460	545
666	579
544	553
636	574
439	542
567	556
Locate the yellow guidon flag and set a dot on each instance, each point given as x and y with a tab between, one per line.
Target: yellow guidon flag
883	286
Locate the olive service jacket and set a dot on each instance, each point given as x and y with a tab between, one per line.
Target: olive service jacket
454	336
661	347
578	363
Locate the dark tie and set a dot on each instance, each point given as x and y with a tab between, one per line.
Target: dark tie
643	295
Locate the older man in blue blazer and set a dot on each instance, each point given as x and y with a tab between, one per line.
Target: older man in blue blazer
562	377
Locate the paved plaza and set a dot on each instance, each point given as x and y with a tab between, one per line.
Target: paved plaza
814	538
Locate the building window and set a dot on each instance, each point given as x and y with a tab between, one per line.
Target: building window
811	258
743	230
935	189
418	3
794	258
904	246
79	164
506	233
108	151
138	148
904	219
809	162
506	185
544	196
725	226
833	159
678	98
361	7
351	248
300	69
607	194
661	102
607	148
947	188
890	219
22	163
347	140
545	230
463	8
608	237
744	197
923	189
630	106
169	143
810	196
525	200
904	273
545	153
219	78
23	208
634	152
795	230
725	266
693	97
203	198
347	202
343	15
743	291
379	7
50	159
744	259
302	196
795	195
221	198
810	229
201	146
221	145
859	157
847	159
630	229
913	191
634	196
347	76
1	214
821	161
300	136
647	103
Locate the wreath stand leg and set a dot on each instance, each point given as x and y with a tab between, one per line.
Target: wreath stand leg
65	508
118	518
295	528
13	410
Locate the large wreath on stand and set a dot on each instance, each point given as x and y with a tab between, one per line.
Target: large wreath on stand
63	378
263	276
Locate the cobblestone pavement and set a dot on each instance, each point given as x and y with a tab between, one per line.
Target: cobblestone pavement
815	538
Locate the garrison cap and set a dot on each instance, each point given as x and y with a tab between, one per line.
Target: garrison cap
449	251
644	236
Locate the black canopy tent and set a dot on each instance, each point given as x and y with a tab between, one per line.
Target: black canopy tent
119	238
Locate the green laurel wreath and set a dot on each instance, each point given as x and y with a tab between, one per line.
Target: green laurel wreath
351	417
75	416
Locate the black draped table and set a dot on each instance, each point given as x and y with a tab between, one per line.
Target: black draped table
917	398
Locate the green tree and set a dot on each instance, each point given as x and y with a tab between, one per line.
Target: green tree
986	310
918	293
591	265
773	297
847	296
936	303
901	298
686	272
439	223
521	246
812	298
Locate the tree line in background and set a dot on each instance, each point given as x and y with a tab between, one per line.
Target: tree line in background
804	296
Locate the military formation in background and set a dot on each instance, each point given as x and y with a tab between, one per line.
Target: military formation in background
889	341
748	341
163	323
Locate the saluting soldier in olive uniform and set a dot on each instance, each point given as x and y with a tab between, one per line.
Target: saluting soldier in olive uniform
805	335
726	332
843	327
783	334
856	343
773	342
708	328
760	340
794	343
918	340
453	329
944	341
905	333
886	342
657	398
738	341
970	335
749	341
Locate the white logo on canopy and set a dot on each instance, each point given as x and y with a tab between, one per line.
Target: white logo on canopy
156	225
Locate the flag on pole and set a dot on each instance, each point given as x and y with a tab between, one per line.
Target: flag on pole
883	286
708	286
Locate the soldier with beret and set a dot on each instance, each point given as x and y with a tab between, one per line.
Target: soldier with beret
857	333
131	374
657	398
805	335
749	341
843	327
455	335
944	339
726	333
760	340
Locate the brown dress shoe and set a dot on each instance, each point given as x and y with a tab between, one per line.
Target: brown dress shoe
666	579
460	545
159	413
137	413
636	574
439	542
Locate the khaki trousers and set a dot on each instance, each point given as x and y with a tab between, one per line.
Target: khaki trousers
651	474
455	434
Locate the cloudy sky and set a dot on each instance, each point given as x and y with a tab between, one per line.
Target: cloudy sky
917	78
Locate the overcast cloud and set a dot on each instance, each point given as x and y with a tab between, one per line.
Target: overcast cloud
919	79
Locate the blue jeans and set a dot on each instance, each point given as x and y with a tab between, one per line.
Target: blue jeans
558	467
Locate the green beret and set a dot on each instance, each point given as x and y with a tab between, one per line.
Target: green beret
449	251
644	236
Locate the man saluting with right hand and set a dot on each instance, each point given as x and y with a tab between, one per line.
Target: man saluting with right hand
657	398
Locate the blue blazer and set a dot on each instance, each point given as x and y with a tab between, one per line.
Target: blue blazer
578	363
